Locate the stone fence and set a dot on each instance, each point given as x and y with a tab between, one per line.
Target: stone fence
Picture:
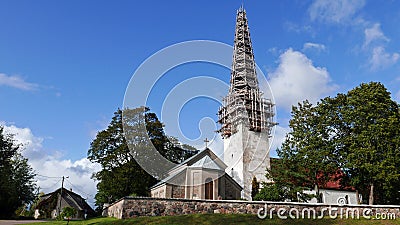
129	207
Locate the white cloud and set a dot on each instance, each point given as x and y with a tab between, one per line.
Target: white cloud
344	12
316	46
374	33
297	79
24	136
380	59
374	44
17	82
294	27
51	165
337	11
273	50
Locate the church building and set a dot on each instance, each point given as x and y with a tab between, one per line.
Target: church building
202	176
246	120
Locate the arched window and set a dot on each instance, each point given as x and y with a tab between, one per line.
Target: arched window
209	189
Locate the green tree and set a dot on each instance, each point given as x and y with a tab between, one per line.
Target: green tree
68	212
271	192
371	122
121	175
355	132
17	183
307	158
288	176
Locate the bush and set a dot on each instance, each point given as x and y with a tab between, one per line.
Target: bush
270	192
68	213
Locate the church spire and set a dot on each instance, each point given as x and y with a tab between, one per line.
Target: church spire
243	73
244	103
246	117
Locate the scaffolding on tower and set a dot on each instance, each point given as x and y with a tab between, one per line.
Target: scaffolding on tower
244	103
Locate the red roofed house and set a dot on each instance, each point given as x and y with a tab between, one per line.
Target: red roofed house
333	193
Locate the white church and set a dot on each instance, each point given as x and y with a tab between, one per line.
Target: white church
246	120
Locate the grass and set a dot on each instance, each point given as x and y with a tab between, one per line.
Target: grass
216	219
94	221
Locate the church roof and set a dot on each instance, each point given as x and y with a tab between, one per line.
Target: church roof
205	159
206	163
169	178
192	160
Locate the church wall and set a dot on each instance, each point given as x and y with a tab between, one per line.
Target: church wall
191	191
115	210
195	182
255	159
231	190
250	152
159	192
216	194
178	191
233	156
221	187
168	191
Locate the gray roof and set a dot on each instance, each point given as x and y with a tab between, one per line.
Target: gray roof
71	198
198	156
165	180
203	159
206	163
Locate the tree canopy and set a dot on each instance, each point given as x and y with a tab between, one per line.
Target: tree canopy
121	175
17	183
356	133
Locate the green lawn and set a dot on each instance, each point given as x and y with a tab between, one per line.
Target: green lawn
216	219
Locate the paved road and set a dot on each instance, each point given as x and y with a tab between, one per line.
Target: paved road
13	222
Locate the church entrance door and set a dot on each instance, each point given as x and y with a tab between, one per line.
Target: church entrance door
209	189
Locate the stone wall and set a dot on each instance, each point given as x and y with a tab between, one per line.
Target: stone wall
130	207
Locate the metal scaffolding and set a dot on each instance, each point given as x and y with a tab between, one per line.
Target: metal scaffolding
244	102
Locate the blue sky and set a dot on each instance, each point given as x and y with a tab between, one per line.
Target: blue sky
65	65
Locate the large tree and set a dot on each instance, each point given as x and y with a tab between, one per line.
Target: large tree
371	147
17	183
356	133
307	157
121	175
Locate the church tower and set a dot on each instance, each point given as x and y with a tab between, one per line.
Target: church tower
246	117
